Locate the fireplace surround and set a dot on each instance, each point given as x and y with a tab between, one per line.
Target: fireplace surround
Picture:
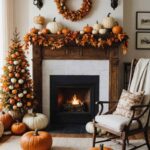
72	99
75	53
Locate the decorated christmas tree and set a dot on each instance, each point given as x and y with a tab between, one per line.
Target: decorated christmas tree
16	84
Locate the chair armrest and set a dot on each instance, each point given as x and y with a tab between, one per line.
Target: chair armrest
138	117
101	103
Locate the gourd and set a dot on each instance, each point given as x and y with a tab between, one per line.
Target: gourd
87	29
108	22
36	140
39	20
35	121
18	128
94	31
97	26
102	31
117	29
54	26
6	119
1	129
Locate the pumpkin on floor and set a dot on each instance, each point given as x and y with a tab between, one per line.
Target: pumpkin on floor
35	121
98	148
1	129
36	140
18	128
6	119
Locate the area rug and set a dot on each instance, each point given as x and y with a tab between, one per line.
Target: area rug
13	143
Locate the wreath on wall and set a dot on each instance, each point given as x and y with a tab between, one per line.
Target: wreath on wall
74	15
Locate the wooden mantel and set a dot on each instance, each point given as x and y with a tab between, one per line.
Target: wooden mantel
75	53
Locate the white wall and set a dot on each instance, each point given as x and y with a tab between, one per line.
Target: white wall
130	8
25	11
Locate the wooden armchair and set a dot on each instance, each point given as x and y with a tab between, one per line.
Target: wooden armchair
121	126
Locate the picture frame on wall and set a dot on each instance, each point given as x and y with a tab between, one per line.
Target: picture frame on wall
143	20
143	40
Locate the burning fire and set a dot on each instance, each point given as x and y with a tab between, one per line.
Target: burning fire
75	100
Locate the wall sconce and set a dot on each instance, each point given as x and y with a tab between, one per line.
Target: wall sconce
114	3
38	3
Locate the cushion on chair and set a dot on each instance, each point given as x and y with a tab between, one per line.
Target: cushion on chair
126	101
114	122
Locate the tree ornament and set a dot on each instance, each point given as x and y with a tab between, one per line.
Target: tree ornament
17	75
10	68
74	15
20	81
13	80
11	101
14	91
23	70
20	95
24	92
16	62
11	87
19	104
29	104
14	107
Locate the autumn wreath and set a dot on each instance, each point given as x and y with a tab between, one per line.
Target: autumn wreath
73	15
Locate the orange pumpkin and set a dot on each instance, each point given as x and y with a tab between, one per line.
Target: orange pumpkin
6	119
65	31
117	29
18	128
98	148
87	29
34	140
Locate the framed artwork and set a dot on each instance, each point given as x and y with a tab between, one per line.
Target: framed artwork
143	20
143	40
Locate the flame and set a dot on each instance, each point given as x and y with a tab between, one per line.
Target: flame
75	100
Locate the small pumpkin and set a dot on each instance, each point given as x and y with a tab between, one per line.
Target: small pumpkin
35	121
54	26
98	148
18	128
108	22
94	31
36	140
102	31
1	129
39	20
97	26
117	29
81	32
6	119
87	29
65	31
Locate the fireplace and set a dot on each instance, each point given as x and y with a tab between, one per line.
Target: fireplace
72	98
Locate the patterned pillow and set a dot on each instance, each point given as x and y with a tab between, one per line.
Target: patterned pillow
126	101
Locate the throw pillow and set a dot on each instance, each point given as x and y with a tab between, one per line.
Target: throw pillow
126	101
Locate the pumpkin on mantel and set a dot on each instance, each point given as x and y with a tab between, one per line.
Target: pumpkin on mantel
54	26
108	22
87	29
117	29
39	20
35	121
36	140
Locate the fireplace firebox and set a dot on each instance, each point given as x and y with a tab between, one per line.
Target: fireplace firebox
72	98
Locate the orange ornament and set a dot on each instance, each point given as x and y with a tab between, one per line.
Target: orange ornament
16	85
14	91
28	96
17	75
29	104
12	101
10	75
13	55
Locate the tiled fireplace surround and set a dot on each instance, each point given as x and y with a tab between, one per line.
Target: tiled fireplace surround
74	61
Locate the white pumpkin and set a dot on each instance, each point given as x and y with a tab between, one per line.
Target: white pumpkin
35	121
108	22
54	26
97	26
94	31
81	32
102	31
90	127
1	129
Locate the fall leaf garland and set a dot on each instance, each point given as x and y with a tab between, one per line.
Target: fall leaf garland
73	15
55	41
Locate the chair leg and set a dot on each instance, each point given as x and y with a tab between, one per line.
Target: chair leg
124	141
146	138
94	136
